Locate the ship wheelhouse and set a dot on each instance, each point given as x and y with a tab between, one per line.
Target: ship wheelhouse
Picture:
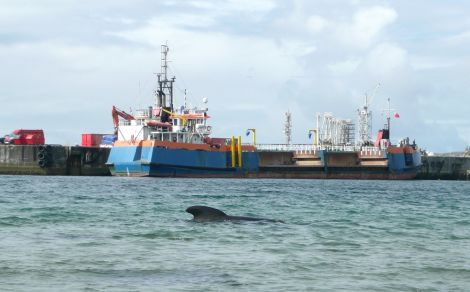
182	126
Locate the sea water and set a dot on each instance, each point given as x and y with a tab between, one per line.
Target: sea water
133	234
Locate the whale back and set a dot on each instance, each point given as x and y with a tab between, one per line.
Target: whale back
204	213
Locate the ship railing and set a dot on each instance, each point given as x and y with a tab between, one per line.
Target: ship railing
179	137
306	148
141	113
136	122
371	151
309	148
283	147
341	148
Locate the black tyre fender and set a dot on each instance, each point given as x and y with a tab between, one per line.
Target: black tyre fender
89	156
42	163
42	155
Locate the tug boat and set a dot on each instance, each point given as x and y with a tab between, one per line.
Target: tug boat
165	141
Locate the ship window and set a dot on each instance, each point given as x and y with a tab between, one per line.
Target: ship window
175	122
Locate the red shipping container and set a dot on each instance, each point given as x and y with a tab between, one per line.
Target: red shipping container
25	137
91	140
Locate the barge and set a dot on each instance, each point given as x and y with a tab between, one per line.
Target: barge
342	162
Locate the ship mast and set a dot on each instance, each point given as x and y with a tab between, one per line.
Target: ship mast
365	123
365	119
288	128
164	93
388	116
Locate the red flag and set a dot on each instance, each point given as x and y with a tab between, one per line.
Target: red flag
396	115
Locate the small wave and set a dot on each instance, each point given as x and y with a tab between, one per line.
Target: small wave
13	221
162	235
119	273
58	216
341	244
91	243
448	270
459	237
82	197
463	222
6	271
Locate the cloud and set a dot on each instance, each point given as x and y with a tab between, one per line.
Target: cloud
227	6
430	63
316	23
366	26
464	134
120	20
214	51
251	5
460	126
187	20
16	10
457	39
386	59
297	48
345	67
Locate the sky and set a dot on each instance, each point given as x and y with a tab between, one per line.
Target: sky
65	63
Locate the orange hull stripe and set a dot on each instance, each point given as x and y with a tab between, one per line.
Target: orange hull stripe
398	150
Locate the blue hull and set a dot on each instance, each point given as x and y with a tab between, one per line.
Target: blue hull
176	162
169	162
407	163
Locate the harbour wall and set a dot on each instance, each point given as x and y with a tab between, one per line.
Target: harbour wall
91	161
445	167
53	160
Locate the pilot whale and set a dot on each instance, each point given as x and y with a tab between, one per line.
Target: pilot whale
208	214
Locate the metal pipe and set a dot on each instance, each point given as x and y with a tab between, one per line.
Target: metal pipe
240	164
315	138
232	149
254	135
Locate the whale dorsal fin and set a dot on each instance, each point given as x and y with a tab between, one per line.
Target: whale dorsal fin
204	213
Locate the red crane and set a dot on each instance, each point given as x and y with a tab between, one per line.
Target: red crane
119	113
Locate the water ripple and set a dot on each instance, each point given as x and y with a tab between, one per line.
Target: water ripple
132	234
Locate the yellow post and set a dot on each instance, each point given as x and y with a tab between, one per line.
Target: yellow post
254	135
232	149
240	164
